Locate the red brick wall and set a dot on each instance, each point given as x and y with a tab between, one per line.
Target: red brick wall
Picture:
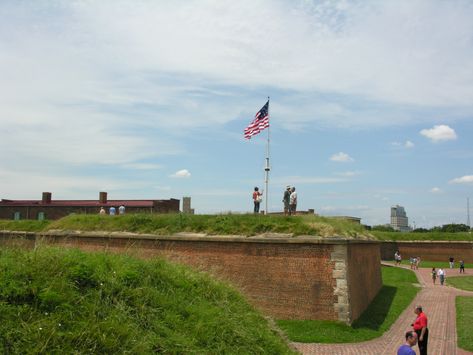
52	212
433	251
364	276
285	278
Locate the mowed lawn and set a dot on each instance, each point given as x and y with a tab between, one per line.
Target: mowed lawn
396	294
464	306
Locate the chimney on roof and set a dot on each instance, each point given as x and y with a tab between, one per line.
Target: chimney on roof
46	197
103	197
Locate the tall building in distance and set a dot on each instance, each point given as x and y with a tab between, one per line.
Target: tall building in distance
399	220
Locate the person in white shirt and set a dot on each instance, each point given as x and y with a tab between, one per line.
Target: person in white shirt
121	209
293	201
441	274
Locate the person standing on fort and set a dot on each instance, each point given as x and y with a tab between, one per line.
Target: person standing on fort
462	267
406	348
420	327
293	201
451	261
121	210
286	199
112	211
257	198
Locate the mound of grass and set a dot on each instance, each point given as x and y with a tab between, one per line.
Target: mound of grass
393	298
165	224
460	236
67	301
25	225
464	306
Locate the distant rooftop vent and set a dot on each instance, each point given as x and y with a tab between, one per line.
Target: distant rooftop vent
46	197
103	197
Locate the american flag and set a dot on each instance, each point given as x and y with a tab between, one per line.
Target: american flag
260	122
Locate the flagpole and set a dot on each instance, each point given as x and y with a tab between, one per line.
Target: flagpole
266	169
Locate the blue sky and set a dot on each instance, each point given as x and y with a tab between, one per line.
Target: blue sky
371	103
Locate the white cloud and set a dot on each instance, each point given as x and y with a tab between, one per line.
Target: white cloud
142	166
348	173
439	133
184	173
407	144
341	158
467	179
292	180
435	190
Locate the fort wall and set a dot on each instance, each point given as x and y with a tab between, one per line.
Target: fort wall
287	278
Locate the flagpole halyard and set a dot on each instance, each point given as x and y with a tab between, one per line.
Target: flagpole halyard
260	123
267	169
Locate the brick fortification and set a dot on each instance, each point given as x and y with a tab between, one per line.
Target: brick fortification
287	278
433	251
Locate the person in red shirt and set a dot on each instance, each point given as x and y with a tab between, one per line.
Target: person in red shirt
257	197
420	327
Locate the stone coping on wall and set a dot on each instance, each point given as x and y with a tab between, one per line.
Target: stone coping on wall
429	241
184	236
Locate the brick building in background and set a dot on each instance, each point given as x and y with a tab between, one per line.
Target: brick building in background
47	208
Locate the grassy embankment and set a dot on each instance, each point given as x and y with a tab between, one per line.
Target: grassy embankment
460	236
165	224
464	307
67	301
438	264
396	294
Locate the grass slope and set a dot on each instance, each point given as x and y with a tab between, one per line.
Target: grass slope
395	295
460	236
464	307
67	301
228	224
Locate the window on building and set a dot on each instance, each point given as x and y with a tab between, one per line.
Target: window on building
17	216
40	216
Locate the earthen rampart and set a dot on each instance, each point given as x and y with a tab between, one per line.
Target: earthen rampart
287	278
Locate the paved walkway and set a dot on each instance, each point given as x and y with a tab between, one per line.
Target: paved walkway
439	305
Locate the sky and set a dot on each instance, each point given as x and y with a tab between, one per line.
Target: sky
371	103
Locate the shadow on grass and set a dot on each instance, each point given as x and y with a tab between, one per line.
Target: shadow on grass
375	315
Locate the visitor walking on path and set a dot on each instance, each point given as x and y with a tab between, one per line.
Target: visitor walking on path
462	267
257	198
406	348
420	327
451	261
434	275
397	258
441	275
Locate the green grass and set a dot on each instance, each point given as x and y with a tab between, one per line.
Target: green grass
463	283
67	301
460	236
396	294
464	306
439	264
228	224
23	225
